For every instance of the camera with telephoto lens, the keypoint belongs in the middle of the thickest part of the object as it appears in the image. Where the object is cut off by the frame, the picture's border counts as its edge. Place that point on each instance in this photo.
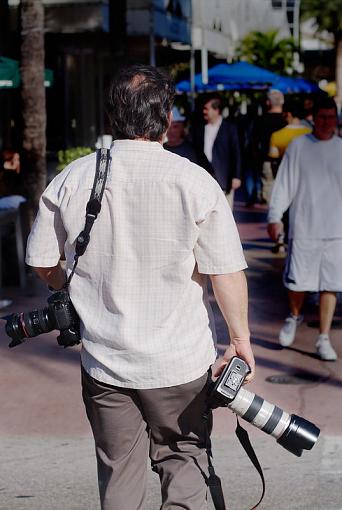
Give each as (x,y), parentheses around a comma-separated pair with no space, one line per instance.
(292,432)
(59,314)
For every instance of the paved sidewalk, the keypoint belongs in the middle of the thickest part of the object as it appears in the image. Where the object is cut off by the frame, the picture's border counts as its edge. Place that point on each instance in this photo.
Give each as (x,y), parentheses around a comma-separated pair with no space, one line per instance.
(47,453)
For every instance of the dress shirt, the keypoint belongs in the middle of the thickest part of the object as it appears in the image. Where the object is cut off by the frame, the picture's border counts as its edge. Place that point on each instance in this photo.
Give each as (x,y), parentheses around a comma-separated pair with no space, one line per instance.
(140,288)
(210,134)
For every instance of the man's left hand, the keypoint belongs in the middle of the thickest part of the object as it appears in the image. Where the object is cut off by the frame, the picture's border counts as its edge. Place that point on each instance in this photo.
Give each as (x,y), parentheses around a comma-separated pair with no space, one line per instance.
(236,183)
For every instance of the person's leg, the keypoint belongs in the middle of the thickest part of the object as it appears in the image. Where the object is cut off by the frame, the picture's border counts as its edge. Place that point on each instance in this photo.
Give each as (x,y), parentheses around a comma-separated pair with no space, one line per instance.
(296,300)
(121,441)
(326,313)
(249,186)
(267,180)
(330,280)
(288,331)
(327,305)
(178,435)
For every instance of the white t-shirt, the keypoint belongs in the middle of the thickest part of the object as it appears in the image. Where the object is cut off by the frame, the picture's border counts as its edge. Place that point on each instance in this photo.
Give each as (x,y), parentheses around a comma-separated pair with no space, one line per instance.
(140,288)
(309,181)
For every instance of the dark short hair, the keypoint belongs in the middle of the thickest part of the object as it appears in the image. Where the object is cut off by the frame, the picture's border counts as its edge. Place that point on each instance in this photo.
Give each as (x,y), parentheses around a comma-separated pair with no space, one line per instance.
(295,108)
(215,102)
(324,103)
(140,100)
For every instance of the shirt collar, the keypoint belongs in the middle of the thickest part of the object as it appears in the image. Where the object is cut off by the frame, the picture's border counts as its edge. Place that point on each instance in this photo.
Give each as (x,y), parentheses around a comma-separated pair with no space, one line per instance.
(216,125)
(135,145)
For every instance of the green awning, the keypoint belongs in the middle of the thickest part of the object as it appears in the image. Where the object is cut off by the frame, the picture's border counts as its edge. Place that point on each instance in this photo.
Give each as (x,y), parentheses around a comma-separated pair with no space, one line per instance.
(10,74)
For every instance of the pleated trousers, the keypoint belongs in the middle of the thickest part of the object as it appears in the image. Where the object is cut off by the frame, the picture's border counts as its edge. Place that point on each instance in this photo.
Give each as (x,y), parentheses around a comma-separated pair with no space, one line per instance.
(164,424)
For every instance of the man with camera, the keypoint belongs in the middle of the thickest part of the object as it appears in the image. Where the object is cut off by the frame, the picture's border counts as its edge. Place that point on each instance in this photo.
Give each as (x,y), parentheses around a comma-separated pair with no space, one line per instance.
(140,292)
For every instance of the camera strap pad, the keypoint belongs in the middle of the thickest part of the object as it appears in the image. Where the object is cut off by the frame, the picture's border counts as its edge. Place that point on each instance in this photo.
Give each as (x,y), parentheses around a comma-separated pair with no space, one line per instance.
(103,160)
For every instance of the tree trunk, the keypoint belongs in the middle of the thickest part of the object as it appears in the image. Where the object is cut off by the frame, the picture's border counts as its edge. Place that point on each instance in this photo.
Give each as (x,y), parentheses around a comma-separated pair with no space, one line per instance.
(338,46)
(33,101)
(4,29)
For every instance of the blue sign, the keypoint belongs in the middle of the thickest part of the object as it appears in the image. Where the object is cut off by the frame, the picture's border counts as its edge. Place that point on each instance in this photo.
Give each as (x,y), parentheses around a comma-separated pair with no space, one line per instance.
(172,20)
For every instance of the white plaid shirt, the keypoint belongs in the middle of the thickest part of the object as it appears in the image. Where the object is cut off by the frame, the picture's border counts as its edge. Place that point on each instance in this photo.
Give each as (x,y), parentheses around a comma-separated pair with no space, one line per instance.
(140,288)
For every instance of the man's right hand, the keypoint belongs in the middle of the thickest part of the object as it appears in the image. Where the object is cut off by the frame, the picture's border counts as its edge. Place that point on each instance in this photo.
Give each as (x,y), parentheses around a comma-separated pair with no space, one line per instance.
(242,349)
(274,230)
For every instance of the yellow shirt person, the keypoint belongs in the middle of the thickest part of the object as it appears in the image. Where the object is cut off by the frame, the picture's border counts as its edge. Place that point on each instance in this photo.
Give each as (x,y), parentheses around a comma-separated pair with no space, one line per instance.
(283,137)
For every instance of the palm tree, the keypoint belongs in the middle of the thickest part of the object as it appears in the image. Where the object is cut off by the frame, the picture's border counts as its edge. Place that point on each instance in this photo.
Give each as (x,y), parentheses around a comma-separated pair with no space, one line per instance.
(328,16)
(33,100)
(265,49)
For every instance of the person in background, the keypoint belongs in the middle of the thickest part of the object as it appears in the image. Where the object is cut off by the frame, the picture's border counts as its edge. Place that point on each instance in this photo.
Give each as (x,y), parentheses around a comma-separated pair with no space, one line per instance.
(218,148)
(307,119)
(271,121)
(251,177)
(176,137)
(10,187)
(10,181)
(309,183)
(280,139)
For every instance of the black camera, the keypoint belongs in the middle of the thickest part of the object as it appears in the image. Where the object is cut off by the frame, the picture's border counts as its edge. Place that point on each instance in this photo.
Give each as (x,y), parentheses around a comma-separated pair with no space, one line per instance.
(59,314)
(292,432)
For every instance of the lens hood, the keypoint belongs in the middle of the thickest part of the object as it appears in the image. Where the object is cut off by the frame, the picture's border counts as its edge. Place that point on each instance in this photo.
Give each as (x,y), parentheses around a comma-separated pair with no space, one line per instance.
(300,435)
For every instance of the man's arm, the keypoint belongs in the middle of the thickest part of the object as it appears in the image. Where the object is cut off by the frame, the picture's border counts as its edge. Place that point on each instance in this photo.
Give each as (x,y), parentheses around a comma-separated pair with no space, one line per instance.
(55,277)
(232,297)
(284,190)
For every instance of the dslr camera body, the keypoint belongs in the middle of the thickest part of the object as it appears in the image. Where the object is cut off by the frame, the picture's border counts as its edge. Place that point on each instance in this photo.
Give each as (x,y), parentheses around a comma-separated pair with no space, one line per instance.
(59,314)
(292,432)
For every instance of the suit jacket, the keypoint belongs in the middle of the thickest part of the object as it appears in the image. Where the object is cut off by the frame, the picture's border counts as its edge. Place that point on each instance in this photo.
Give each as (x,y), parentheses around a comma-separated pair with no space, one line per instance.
(226,160)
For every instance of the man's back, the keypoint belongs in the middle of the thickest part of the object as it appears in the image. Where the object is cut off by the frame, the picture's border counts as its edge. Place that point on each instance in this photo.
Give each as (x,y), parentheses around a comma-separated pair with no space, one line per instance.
(138,272)
(264,127)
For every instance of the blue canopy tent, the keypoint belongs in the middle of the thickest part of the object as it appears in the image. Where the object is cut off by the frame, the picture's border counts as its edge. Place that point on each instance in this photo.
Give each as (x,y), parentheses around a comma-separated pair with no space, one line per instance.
(238,76)
(245,76)
(289,85)
(184,86)
(241,72)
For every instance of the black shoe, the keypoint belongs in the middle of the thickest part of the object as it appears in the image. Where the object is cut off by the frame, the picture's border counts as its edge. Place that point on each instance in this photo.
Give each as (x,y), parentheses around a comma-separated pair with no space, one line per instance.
(250,203)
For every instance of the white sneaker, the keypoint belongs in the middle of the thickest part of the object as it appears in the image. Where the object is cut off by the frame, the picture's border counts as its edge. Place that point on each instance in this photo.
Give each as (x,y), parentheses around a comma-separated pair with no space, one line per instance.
(288,331)
(324,348)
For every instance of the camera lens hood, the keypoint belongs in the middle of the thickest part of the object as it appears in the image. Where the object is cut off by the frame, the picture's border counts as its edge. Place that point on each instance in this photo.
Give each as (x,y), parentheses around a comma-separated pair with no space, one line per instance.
(300,435)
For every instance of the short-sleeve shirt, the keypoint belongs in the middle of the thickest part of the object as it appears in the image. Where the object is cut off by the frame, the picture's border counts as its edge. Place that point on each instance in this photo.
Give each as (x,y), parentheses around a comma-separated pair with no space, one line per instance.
(309,183)
(282,138)
(140,288)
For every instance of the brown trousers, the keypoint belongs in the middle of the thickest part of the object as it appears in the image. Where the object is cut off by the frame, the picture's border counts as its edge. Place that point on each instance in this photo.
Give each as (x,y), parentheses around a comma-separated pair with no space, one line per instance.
(165,423)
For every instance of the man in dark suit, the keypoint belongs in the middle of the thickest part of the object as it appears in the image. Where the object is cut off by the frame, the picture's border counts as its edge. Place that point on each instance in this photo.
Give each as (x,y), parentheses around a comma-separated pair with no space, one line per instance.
(218,148)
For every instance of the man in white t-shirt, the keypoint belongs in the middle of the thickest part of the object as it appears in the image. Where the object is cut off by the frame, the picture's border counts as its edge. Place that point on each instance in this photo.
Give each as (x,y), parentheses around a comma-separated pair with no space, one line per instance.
(309,183)
(140,291)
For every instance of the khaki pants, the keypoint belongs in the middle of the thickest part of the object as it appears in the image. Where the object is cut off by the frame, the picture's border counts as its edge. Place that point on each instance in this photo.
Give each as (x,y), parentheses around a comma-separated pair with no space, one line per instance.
(166,424)
(267,181)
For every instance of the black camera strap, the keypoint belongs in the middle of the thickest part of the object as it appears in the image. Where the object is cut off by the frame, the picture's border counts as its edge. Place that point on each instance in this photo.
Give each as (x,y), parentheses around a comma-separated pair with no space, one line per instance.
(213,481)
(103,160)
(246,444)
